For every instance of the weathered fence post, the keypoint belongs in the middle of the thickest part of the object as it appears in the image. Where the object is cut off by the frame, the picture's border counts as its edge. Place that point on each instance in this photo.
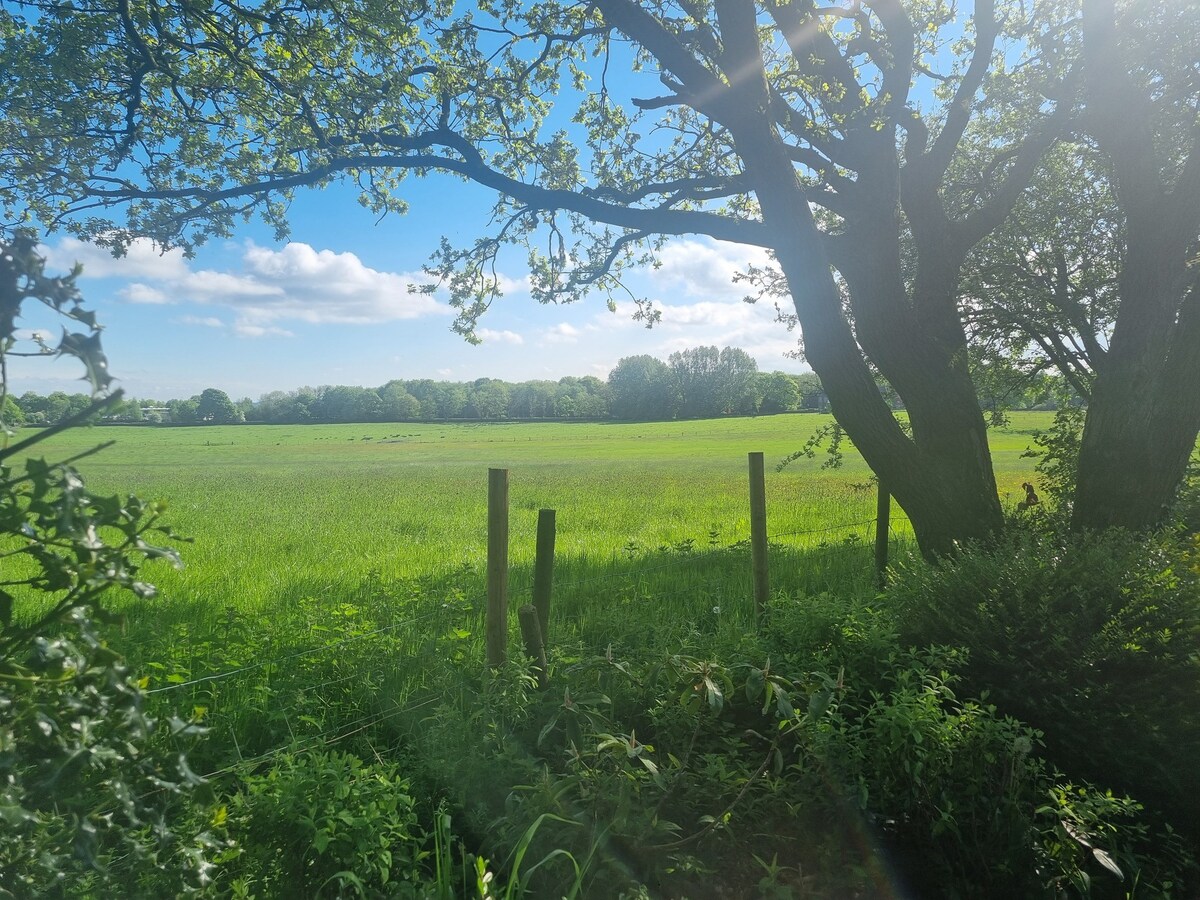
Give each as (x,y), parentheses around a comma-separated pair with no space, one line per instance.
(543,571)
(535,647)
(496,630)
(883,524)
(758,534)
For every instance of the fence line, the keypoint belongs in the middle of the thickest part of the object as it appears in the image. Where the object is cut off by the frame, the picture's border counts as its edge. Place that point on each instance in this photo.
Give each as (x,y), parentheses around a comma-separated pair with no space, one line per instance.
(287,656)
(697,557)
(631,574)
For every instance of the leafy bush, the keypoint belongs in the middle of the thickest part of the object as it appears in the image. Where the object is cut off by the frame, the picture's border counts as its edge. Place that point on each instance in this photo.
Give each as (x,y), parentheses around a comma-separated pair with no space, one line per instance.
(84,797)
(844,754)
(88,799)
(325,824)
(1094,640)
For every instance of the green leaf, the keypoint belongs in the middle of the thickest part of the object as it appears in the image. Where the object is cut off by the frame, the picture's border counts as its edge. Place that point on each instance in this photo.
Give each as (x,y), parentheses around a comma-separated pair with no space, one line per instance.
(818,703)
(754,684)
(1107,861)
(716,700)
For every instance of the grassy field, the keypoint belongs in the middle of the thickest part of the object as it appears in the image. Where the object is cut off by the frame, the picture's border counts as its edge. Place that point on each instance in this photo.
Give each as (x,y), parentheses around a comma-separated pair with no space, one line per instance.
(333,601)
(280,511)
(307,539)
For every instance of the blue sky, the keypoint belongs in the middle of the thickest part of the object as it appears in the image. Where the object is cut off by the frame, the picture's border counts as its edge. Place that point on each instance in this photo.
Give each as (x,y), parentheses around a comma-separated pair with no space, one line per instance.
(332,306)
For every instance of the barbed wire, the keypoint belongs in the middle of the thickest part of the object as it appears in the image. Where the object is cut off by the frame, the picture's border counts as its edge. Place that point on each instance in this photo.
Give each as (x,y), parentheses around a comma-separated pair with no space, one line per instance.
(634,574)
(289,656)
(312,742)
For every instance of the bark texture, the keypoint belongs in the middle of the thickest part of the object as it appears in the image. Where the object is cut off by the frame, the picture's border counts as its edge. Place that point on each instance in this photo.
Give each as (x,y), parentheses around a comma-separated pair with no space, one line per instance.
(1144,414)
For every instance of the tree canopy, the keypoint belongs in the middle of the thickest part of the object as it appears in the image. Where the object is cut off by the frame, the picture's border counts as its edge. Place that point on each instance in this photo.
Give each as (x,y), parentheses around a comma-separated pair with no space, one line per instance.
(869,146)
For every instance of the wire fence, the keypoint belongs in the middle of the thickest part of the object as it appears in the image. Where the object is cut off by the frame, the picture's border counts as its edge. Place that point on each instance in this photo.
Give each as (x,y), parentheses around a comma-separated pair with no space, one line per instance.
(327,693)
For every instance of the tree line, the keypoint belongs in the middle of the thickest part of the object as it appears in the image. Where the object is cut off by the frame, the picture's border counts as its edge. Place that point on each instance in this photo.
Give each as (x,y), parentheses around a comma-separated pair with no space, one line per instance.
(698,383)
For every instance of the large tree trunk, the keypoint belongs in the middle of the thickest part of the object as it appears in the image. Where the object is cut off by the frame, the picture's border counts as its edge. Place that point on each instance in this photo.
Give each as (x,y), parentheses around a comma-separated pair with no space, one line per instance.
(1144,413)
(942,475)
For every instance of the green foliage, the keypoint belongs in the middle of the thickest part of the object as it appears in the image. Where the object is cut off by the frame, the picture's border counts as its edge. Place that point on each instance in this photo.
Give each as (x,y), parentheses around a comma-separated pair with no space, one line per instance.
(23,278)
(1099,845)
(88,795)
(72,546)
(779,393)
(1094,640)
(215,408)
(325,824)
(643,388)
(1058,454)
(946,784)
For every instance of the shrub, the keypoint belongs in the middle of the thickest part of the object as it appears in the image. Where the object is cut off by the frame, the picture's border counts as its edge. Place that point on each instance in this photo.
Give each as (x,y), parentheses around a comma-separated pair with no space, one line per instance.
(88,800)
(1094,640)
(327,824)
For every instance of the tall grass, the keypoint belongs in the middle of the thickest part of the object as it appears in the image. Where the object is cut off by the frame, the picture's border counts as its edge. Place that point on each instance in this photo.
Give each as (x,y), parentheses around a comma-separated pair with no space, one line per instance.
(333,565)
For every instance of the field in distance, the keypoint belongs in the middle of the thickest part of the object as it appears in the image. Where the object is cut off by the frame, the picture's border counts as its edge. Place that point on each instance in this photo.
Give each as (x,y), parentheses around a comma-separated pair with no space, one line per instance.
(278,512)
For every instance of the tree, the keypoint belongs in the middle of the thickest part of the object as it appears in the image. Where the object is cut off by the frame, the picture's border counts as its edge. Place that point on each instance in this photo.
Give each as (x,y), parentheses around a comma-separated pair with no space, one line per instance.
(868,147)
(585,397)
(11,415)
(1039,294)
(184,412)
(779,393)
(1141,99)
(643,388)
(488,399)
(398,404)
(737,383)
(533,400)
(84,771)
(347,403)
(697,373)
(214,407)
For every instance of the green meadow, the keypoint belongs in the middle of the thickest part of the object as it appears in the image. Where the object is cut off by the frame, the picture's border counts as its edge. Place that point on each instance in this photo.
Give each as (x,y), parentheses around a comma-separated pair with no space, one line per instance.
(329,568)
(277,512)
(332,601)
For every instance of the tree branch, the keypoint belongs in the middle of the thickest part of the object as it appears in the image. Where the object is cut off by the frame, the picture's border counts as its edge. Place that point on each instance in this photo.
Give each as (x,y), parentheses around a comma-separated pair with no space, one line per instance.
(473,166)
(705,91)
(958,115)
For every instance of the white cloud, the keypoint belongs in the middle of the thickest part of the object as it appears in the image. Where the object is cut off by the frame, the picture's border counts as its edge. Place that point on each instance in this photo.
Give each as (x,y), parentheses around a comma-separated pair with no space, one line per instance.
(562,333)
(489,335)
(206,321)
(289,284)
(509,285)
(721,323)
(245,329)
(142,260)
(144,294)
(706,268)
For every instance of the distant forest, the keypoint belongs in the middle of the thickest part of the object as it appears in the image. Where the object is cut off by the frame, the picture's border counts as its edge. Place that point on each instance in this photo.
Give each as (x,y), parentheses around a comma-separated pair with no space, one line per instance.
(702,382)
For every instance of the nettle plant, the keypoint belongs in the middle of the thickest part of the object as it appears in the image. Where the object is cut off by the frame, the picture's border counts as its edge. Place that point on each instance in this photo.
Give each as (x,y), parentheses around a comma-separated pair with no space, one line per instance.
(85,800)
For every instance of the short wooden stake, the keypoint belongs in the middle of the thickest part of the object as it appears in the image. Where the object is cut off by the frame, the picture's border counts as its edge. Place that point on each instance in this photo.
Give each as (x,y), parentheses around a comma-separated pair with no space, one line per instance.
(534,647)
(758,535)
(496,630)
(883,525)
(543,571)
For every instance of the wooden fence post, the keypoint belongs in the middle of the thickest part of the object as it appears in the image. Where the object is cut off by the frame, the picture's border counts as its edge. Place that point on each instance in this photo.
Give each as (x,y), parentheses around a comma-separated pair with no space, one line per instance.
(758,535)
(543,571)
(535,648)
(883,524)
(496,630)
